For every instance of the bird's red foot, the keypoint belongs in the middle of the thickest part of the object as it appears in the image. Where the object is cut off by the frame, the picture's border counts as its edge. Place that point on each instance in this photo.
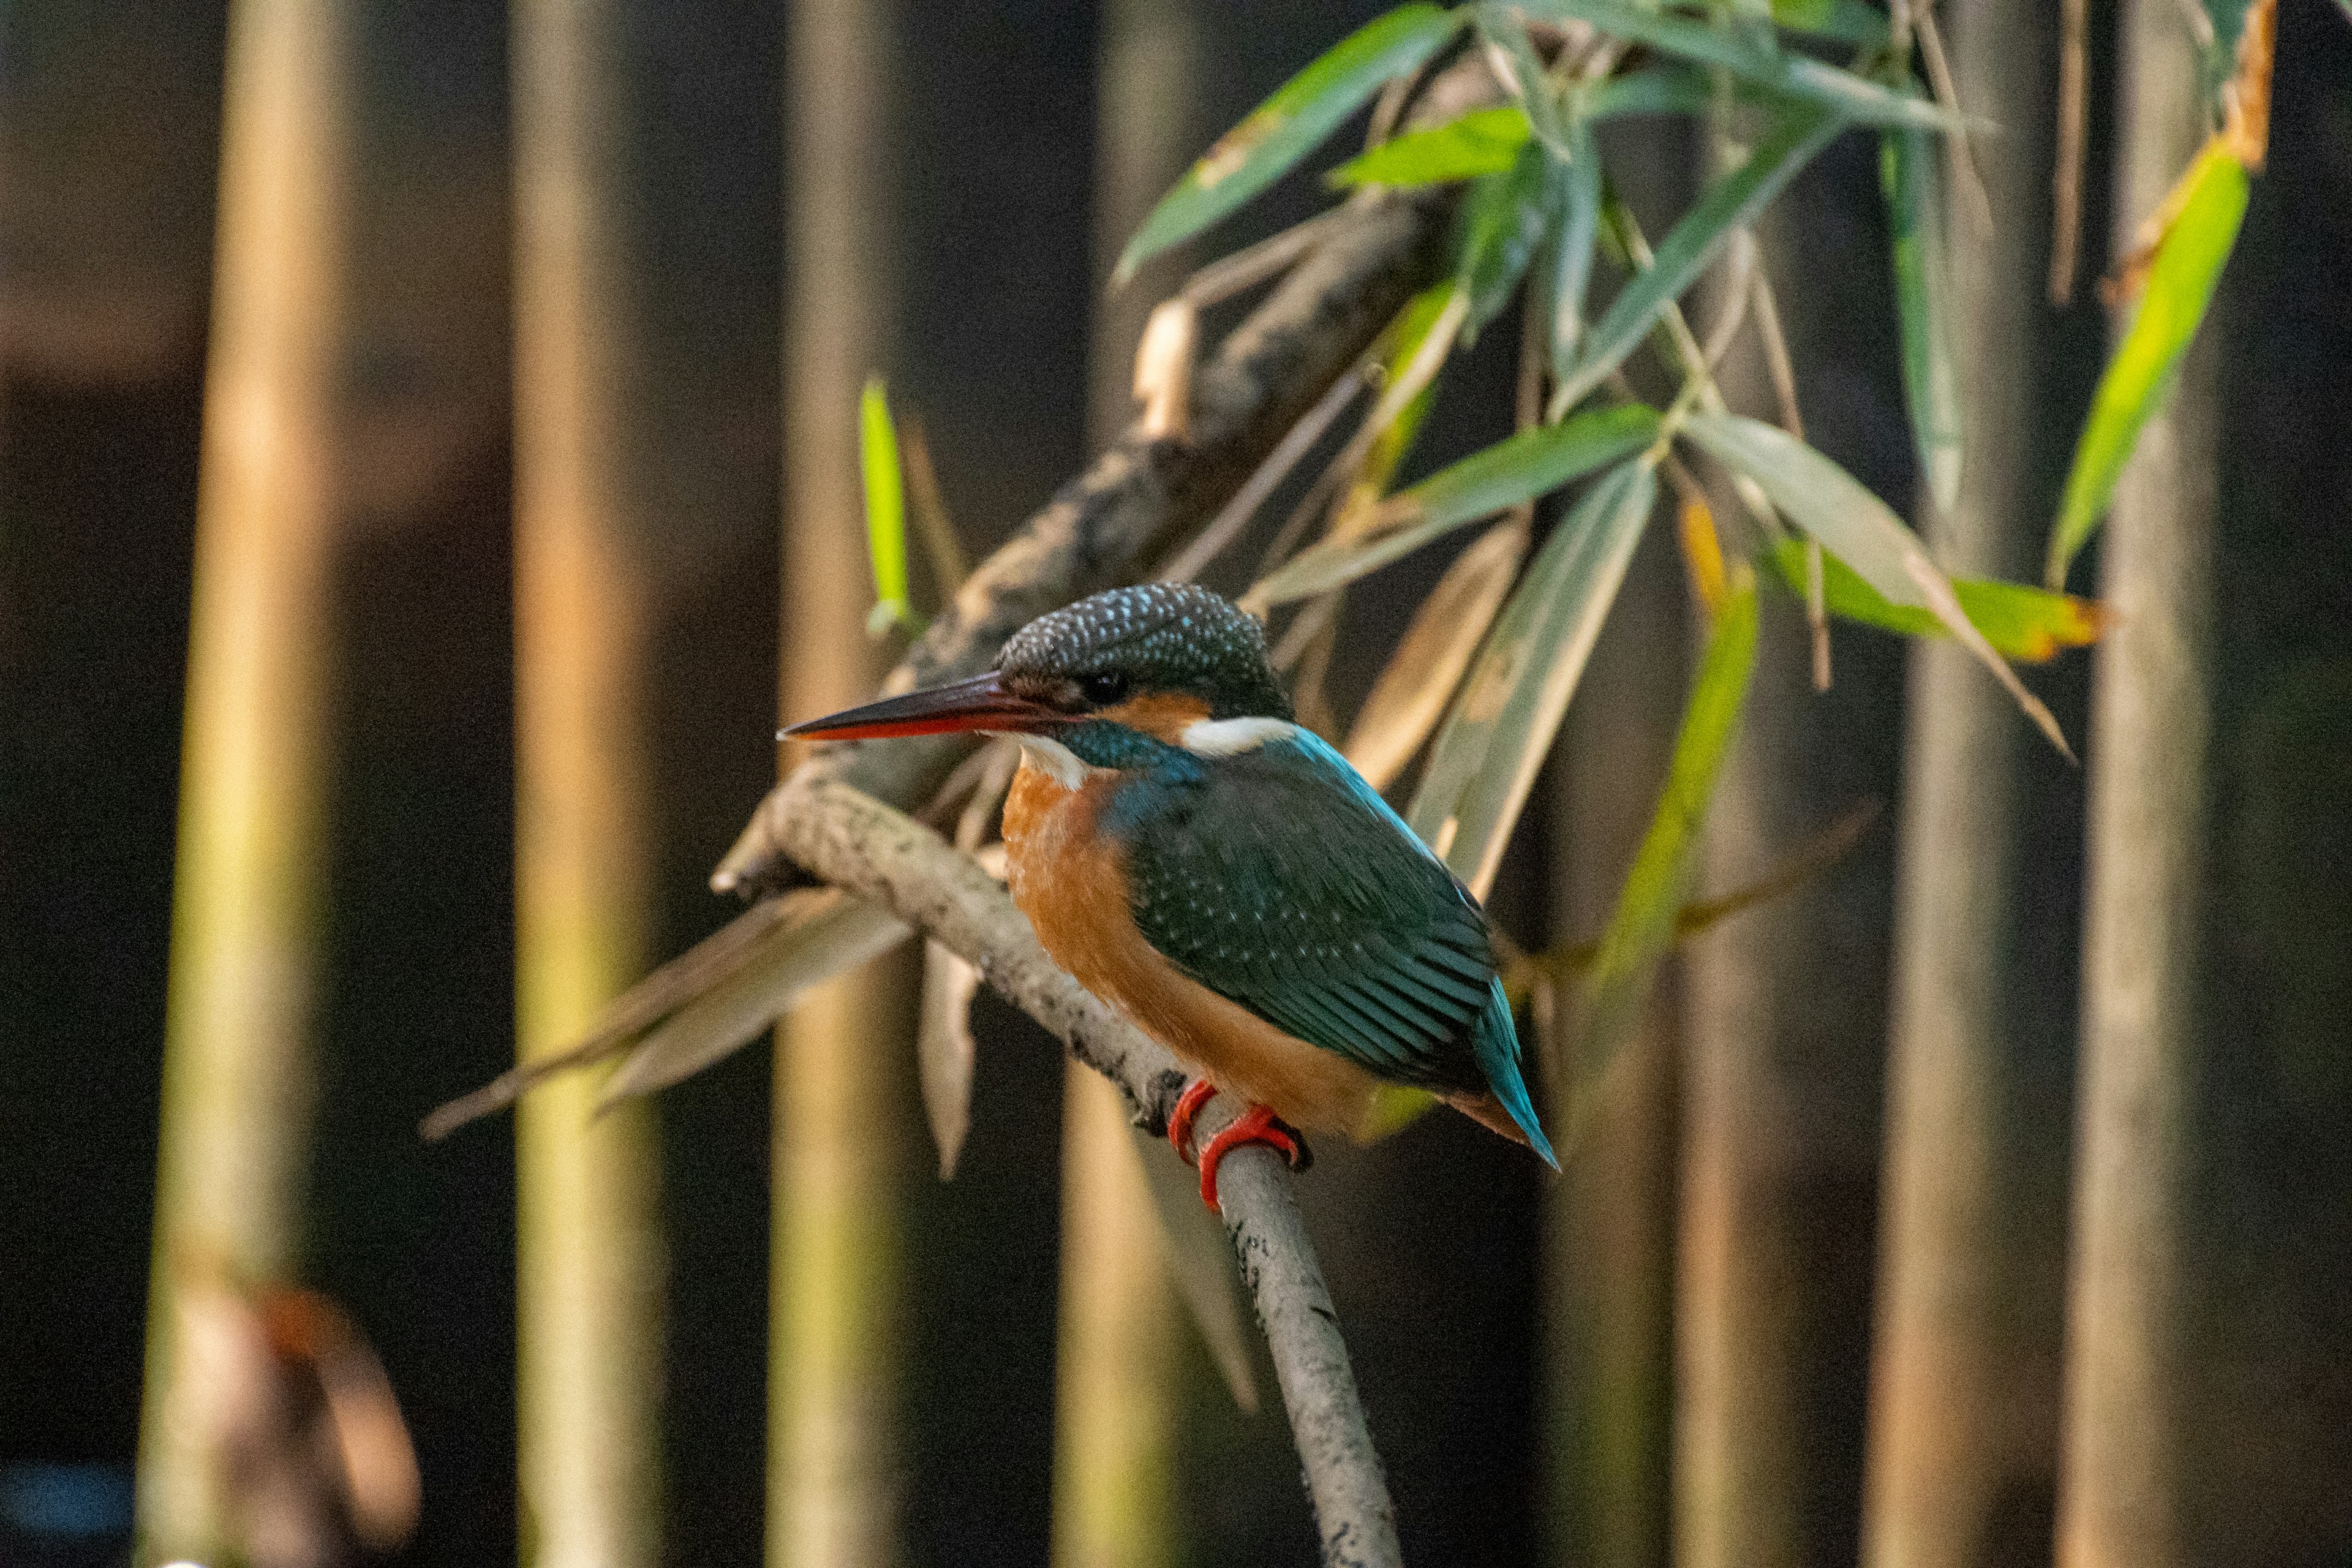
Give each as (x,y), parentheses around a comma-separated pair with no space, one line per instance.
(1255,1125)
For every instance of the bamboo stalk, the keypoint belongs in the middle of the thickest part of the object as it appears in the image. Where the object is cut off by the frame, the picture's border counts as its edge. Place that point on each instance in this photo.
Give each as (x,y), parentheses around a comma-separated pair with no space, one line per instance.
(1964,1417)
(1116,1402)
(841,1055)
(237,1075)
(2122,1477)
(589,1296)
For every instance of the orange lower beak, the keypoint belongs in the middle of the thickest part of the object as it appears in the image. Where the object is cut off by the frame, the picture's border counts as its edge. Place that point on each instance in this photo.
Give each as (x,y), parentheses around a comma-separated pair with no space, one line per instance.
(981,703)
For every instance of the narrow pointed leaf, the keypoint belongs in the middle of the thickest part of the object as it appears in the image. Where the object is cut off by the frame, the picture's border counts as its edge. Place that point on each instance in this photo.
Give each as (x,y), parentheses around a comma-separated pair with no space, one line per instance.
(1410,696)
(886,507)
(944,1052)
(1574,236)
(2024,623)
(1504,220)
(1653,89)
(1512,701)
(1201,1262)
(835,935)
(1729,204)
(1931,393)
(2181,283)
(1483,142)
(1289,125)
(1645,922)
(1833,507)
(1841,21)
(1753,55)
(1518,468)
(1504,28)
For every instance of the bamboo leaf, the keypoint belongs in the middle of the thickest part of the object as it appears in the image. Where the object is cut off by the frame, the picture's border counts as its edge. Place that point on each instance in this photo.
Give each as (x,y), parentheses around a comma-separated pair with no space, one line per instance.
(1514,470)
(1483,142)
(1288,125)
(1504,221)
(1511,703)
(1841,21)
(2181,283)
(1200,1264)
(1726,205)
(1753,55)
(1835,508)
(1574,236)
(1410,696)
(886,509)
(2028,623)
(944,1051)
(1653,89)
(835,934)
(1914,211)
(1645,922)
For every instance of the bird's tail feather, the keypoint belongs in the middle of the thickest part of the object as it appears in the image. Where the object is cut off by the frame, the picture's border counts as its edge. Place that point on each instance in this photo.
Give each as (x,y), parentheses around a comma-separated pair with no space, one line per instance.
(1495,1047)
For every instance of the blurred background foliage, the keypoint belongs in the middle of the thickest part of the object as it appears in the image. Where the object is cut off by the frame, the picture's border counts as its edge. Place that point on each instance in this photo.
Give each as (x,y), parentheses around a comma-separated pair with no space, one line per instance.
(1693,1348)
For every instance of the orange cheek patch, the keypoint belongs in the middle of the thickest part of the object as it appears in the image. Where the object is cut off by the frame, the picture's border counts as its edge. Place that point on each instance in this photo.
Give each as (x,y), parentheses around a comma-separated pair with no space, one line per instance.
(1162,715)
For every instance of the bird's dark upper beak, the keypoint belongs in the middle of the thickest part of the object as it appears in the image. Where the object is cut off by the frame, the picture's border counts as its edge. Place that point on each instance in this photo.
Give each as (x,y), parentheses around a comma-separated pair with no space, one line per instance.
(981,703)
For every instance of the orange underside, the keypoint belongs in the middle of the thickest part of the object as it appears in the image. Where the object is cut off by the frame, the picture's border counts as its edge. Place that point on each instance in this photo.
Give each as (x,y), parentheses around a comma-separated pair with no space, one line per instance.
(1071,883)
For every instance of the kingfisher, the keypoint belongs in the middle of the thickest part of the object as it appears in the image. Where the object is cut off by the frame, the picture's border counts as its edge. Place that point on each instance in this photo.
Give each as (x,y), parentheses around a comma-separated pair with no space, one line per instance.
(1214,871)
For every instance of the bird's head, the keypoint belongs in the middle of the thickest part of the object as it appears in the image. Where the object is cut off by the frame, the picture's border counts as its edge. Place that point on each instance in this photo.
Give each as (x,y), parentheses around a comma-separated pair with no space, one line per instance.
(1168,660)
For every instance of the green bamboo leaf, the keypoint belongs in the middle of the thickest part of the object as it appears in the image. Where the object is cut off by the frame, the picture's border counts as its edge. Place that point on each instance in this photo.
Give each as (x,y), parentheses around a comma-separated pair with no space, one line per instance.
(886,509)
(1648,916)
(1503,223)
(1753,55)
(2181,282)
(1483,142)
(1726,206)
(1574,235)
(1653,89)
(2021,622)
(1833,507)
(1511,703)
(1840,21)
(1288,125)
(1914,212)
(1518,468)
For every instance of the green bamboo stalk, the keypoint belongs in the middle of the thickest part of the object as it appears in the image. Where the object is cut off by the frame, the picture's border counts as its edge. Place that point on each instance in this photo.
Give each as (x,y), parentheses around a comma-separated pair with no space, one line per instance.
(1115,1410)
(842,1138)
(2124,1476)
(1964,1418)
(590,1287)
(238,1075)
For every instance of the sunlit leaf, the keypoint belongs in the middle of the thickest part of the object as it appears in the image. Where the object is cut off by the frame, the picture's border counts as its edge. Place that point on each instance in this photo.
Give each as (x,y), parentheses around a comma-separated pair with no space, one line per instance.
(944,1052)
(1836,509)
(886,507)
(1404,352)
(1486,756)
(835,934)
(1482,142)
(1410,696)
(1645,923)
(1931,393)
(1200,1264)
(1503,223)
(2181,283)
(2028,624)
(1753,55)
(1289,125)
(1727,206)
(1518,468)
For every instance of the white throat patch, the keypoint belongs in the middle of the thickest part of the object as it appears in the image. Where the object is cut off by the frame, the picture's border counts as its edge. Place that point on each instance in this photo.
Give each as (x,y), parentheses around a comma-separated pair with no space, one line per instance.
(1053,758)
(1231,737)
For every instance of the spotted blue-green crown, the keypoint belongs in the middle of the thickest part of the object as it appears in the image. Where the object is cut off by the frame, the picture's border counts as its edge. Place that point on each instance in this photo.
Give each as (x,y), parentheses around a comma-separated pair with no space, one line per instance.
(1154,637)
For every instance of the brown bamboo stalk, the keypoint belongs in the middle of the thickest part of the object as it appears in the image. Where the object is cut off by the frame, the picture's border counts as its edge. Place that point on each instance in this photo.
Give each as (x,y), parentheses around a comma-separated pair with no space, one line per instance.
(238,1073)
(843,1055)
(1114,1395)
(2123,1474)
(589,1294)
(1964,1416)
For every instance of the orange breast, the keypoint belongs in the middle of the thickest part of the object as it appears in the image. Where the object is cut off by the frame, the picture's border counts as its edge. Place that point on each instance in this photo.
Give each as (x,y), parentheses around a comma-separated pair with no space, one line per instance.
(1072,884)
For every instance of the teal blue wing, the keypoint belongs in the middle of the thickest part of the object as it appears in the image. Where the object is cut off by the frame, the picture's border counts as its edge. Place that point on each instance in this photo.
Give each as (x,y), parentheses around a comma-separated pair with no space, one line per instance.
(1280,880)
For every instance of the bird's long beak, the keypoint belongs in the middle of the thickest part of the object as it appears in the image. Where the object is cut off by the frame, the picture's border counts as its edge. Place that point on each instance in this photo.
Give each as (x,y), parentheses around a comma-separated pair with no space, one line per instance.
(981,703)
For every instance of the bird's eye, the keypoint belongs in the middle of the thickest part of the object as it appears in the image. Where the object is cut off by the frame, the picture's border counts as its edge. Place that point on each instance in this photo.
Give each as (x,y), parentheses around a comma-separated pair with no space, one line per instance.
(1104,689)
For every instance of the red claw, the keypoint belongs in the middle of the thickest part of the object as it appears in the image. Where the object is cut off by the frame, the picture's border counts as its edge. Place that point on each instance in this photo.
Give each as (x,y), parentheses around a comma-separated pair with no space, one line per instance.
(1256,1125)
(1197,1093)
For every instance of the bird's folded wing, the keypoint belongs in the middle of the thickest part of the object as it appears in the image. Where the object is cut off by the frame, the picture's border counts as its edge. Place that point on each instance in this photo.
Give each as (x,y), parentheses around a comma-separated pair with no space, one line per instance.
(1279,880)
